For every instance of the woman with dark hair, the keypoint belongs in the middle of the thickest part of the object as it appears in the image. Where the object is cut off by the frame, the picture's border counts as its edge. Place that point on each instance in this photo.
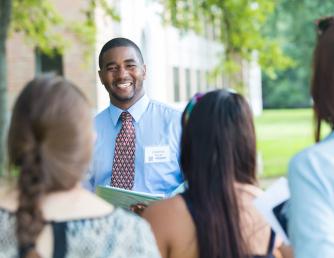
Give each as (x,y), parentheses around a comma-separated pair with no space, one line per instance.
(46,212)
(215,216)
(311,172)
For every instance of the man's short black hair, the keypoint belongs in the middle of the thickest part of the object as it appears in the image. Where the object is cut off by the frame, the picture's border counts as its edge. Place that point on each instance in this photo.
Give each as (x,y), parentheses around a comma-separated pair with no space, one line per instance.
(119,42)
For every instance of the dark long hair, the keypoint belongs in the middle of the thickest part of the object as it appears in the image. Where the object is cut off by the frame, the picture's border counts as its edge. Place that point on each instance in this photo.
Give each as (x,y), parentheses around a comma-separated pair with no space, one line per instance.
(218,149)
(49,142)
(322,87)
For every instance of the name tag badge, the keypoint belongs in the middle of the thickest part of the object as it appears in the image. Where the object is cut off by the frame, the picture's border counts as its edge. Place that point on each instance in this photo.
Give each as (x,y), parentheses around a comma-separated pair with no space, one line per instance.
(154,154)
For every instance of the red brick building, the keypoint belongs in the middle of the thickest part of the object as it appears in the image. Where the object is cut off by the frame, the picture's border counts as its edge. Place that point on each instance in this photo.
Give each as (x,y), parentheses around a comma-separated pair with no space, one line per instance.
(24,61)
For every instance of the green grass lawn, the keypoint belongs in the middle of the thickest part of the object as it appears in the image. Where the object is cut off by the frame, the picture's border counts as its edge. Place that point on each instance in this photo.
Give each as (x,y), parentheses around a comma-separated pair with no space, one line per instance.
(280,135)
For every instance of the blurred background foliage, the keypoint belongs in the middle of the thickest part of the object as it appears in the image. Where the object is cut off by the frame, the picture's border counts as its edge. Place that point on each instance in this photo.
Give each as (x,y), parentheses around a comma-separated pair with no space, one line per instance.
(280,34)
(240,29)
(292,24)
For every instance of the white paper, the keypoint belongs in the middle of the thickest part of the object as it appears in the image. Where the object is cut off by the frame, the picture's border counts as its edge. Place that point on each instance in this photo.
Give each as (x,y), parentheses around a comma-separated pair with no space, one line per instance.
(275,195)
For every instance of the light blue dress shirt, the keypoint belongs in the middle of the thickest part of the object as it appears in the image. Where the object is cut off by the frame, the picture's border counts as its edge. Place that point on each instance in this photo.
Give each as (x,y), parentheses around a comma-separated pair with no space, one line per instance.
(156,125)
(311,211)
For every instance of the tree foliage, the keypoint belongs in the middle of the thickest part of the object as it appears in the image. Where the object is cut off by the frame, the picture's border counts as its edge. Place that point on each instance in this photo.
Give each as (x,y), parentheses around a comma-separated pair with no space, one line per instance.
(239,24)
(292,22)
(5,17)
(43,27)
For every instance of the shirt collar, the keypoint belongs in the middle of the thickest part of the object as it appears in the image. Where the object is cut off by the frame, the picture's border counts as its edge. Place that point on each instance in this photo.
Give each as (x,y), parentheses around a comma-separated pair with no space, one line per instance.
(136,110)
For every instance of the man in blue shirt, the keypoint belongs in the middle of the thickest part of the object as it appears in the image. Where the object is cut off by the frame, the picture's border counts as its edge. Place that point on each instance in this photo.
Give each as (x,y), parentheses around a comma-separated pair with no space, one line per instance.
(157,126)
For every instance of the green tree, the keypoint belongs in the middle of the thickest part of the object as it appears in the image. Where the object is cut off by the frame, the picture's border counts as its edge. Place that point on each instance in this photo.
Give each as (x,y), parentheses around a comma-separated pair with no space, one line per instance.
(292,22)
(5,17)
(37,20)
(239,24)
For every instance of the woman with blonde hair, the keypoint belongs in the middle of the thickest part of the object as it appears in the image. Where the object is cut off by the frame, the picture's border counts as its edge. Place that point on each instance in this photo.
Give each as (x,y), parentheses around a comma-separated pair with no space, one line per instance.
(47,213)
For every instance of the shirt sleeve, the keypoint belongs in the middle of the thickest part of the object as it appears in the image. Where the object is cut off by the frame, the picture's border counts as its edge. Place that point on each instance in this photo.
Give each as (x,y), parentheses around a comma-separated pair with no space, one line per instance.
(311,216)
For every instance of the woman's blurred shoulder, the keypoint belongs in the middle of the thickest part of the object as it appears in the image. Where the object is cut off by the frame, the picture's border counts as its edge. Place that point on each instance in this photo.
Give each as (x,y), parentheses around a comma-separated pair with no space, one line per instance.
(165,210)
(8,197)
(173,227)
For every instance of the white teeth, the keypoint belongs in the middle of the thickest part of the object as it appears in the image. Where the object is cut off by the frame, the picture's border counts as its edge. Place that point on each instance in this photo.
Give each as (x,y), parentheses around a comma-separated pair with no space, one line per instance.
(123,85)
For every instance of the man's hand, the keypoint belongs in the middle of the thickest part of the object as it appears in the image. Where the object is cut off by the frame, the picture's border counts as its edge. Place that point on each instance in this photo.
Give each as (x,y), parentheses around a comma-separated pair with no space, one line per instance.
(138,208)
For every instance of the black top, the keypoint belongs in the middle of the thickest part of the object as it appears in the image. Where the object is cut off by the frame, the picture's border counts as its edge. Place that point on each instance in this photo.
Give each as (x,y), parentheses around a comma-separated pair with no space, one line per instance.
(271,243)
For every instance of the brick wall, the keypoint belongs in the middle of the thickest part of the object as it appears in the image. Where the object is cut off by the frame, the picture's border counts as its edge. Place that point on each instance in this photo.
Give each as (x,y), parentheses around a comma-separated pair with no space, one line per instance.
(21,58)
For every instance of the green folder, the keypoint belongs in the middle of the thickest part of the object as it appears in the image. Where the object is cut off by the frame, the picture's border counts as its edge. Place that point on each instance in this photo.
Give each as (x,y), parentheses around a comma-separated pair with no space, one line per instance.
(125,198)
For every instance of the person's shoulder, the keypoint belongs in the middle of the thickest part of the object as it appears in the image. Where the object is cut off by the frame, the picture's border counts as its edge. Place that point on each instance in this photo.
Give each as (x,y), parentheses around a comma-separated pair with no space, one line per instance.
(101,119)
(59,206)
(125,216)
(164,108)
(135,234)
(171,222)
(310,154)
(312,162)
(165,210)
(119,233)
(319,150)
(249,190)
(165,114)
(300,161)
(102,115)
(8,198)
(131,221)
(302,154)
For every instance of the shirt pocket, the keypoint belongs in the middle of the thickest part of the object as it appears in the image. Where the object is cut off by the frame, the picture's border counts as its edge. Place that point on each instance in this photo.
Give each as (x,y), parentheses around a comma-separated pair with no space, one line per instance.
(163,177)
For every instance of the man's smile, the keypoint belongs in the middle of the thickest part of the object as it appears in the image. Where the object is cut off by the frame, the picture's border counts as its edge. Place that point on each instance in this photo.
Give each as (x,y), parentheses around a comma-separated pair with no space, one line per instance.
(123,85)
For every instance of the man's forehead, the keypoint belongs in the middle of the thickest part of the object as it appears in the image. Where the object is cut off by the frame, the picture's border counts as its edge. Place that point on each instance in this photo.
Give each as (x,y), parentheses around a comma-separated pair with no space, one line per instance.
(120,54)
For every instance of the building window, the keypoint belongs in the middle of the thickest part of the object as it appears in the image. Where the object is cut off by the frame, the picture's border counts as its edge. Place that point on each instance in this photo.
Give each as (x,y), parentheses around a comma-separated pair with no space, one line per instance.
(188,83)
(46,63)
(176,78)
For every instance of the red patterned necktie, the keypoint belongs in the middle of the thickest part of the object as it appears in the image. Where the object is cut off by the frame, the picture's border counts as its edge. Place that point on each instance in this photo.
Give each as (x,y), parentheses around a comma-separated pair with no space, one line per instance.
(123,169)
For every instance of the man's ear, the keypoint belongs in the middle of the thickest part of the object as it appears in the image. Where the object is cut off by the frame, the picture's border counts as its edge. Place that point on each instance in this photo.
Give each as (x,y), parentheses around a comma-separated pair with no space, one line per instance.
(144,71)
(100,75)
